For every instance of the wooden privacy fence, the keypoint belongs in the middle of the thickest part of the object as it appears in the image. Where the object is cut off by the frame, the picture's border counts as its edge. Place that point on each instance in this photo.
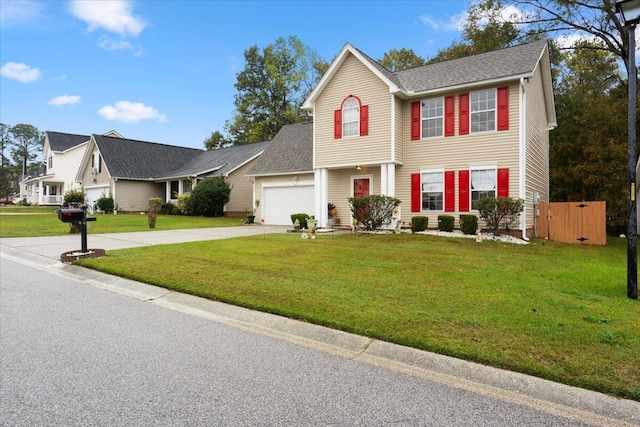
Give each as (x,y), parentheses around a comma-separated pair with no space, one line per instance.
(582,223)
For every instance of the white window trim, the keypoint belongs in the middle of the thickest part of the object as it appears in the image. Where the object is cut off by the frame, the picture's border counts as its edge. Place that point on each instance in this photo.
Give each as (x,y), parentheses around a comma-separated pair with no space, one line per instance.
(423,118)
(479,168)
(441,172)
(357,121)
(495,111)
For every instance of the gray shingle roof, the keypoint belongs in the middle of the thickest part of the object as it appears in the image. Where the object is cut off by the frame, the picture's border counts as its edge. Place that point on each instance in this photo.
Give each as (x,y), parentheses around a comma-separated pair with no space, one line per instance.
(498,64)
(59,141)
(126,158)
(290,151)
(223,160)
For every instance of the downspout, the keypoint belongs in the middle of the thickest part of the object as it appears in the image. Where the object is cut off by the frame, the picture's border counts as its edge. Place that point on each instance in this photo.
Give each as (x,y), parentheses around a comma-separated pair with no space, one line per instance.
(115,200)
(523,157)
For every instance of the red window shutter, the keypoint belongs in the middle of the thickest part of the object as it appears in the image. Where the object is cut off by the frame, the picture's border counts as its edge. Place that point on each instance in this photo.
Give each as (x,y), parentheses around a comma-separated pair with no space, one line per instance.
(415,193)
(464,114)
(364,120)
(503,108)
(449,112)
(337,124)
(503,182)
(449,191)
(463,191)
(415,120)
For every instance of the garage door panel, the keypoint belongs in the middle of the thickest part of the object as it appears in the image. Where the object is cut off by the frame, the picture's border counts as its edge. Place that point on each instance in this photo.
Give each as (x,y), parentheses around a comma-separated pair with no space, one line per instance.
(280,202)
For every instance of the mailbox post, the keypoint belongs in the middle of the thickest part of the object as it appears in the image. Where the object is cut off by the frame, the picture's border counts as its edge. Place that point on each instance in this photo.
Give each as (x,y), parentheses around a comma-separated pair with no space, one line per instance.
(78,217)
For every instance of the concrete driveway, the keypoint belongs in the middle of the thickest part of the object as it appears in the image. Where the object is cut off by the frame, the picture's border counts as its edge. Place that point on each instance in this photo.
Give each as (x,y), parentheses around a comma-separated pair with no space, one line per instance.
(53,246)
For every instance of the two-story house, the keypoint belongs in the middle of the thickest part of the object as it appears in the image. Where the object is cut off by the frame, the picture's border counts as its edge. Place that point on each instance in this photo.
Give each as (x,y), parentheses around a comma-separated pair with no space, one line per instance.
(438,137)
(62,154)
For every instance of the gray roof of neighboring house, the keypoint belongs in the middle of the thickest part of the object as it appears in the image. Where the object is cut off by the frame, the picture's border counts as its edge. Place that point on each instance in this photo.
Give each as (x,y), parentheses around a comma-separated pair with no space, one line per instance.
(126,158)
(59,141)
(291,150)
(507,62)
(222,160)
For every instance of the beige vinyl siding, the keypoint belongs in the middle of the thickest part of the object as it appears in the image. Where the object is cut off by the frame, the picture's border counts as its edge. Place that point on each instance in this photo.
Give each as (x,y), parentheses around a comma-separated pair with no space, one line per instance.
(133,196)
(353,78)
(537,145)
(459,152)
(241,190)
(340,188)
(397,131)
(279,179)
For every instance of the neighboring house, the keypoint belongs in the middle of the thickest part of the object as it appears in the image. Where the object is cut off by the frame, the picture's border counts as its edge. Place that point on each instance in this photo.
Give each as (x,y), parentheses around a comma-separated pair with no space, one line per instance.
(132,171)
(62,155)
(437,137)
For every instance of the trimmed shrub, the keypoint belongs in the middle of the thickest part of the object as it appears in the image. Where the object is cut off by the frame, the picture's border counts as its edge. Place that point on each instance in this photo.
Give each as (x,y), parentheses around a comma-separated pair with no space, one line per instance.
(419,223)
(185,207)
(210,195)
(302,217)
(169,209)
(105,204)
(499,213)
(469,224)
(73,196)
(155,203)
(445,222)
(23,202)
(373,211)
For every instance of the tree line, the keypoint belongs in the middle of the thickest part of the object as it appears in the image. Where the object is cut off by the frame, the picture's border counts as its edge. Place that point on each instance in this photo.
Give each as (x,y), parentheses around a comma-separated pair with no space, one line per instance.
(20,145)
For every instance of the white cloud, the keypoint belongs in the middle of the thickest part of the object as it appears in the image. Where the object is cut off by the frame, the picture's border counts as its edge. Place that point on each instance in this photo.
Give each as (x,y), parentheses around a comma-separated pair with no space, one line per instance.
(454,23)
(20,72)
(111,15)
(59,101)
(20,11)
(111,45)
(131,112)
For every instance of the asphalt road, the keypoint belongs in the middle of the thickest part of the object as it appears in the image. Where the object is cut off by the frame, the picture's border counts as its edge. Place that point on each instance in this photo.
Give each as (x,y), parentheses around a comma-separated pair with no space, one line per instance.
(73,353)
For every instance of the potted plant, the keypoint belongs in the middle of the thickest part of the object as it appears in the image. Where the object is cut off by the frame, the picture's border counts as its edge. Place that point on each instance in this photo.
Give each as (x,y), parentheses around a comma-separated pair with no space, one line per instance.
(312,222)
(333,214)
(252,217)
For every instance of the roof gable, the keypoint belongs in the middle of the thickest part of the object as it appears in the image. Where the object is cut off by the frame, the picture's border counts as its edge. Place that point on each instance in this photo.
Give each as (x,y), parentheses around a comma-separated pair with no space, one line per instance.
(290,151)
(500,65)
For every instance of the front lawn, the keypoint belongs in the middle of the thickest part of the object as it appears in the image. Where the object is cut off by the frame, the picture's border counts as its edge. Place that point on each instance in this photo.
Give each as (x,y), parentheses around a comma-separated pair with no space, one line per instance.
(42,221)
(556,311)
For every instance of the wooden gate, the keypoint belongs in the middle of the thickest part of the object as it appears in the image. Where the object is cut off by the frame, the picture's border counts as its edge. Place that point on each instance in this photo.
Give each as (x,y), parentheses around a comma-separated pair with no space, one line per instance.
(582,223)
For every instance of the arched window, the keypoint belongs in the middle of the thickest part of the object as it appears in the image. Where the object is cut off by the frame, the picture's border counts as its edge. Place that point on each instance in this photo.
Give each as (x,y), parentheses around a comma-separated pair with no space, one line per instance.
(352,119)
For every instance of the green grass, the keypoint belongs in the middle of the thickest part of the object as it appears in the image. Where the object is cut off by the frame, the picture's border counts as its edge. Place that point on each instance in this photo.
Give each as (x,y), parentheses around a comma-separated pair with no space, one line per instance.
(555,311)
(16,222)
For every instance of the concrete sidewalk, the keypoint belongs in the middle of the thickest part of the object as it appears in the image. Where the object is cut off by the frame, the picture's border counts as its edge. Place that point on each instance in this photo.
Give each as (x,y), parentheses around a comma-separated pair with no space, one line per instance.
(574,403)
(53,246)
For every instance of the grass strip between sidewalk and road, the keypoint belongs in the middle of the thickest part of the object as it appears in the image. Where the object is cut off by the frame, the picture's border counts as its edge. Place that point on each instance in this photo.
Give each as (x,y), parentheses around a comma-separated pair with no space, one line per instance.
(552,310)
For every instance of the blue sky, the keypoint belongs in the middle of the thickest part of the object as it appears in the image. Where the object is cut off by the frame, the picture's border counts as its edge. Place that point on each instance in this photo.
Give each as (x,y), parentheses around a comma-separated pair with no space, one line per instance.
(164,71)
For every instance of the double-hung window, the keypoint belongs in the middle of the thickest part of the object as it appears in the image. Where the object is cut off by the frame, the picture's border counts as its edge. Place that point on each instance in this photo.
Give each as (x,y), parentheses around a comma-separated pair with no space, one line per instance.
(432,191)
(432,117)
(483,110)
(483,184)
(351,117)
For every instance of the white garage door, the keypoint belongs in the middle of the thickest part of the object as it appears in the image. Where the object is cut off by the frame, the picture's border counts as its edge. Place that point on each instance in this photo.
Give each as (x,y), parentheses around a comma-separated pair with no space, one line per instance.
(93,194)
(280,202)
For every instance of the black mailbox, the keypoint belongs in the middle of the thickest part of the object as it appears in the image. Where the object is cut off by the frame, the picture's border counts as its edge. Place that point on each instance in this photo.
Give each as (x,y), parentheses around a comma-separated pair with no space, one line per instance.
(71,215)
